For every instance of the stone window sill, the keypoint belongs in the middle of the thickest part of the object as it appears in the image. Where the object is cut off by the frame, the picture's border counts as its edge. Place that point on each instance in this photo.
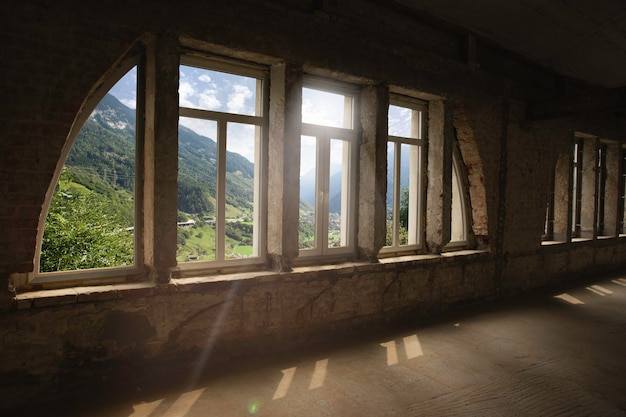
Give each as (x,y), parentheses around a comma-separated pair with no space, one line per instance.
(88,294)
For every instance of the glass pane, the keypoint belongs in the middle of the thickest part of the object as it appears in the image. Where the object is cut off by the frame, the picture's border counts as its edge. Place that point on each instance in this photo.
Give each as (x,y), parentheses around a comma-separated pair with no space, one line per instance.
(241,198)
(206,89)
(457,226)
(326,109)
(404,122)
(408,197)
(391,167)
(337,193)
(197,158)
(90,223)
(308,192)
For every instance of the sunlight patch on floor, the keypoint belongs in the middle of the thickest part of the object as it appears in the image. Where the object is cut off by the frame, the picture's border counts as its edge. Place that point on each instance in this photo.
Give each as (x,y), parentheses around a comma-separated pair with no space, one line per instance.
(596,289)
(569,298)
(145,409)
(620,281)
(284,384)
(319,374)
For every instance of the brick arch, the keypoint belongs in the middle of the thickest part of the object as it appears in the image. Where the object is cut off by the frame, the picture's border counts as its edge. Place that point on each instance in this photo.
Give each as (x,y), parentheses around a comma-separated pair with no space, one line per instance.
(474,168)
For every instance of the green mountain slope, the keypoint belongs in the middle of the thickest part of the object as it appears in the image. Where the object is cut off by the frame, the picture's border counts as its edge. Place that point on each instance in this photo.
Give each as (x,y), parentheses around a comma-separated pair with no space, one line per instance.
(105,150)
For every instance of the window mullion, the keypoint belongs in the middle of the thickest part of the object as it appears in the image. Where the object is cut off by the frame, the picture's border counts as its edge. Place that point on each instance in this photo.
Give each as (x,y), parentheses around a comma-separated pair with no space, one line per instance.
(323,192)
(220,193)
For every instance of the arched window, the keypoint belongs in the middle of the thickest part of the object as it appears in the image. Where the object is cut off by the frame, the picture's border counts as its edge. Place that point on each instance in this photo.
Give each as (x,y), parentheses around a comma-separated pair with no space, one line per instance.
(90,216)
(458,226)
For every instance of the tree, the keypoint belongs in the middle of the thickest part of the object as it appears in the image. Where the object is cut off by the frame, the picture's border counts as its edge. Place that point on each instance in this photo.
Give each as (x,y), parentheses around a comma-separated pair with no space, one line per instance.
(82,232)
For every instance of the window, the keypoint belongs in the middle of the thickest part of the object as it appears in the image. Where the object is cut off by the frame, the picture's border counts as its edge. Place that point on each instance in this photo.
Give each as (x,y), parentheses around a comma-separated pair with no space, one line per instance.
(601,178)
(458,229)
(577,181)
(90,221)
(590,199)
(199,203)
(622,193)
(405,158)
(327,169)
(220,144)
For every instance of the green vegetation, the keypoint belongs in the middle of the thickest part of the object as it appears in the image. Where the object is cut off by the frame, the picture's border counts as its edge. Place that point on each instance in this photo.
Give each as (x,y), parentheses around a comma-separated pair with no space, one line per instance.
(403,234)
(86,229)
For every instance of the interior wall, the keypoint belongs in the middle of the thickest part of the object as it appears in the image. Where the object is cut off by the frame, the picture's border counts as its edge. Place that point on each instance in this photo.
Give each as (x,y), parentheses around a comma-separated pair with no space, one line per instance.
(57,53)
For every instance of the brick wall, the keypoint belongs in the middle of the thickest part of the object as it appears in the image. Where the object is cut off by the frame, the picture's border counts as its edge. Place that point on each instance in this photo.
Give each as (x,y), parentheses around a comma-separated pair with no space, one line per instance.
(55,53)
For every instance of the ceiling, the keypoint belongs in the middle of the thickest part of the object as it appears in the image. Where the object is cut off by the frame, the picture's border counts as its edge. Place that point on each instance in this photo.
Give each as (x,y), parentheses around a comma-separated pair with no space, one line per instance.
(583,39)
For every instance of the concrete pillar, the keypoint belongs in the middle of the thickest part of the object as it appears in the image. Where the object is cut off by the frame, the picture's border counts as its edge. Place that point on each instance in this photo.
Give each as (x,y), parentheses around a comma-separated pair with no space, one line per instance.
(372,187)
(284,165)
(439,184)
(562,216)
(160,204)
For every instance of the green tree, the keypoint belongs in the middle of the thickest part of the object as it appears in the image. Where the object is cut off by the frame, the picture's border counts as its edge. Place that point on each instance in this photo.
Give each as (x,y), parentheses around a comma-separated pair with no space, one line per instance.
(82,232)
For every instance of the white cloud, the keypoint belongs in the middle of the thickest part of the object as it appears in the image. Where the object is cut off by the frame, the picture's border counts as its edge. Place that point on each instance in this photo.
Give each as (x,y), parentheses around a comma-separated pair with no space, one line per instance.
(205,78)
(208,100)
(322,108)
(241,140)
(238,99)
(129,102)
(186,92)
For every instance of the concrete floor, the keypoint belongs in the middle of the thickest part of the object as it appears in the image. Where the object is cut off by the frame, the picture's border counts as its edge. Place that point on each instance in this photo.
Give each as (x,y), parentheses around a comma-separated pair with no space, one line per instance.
(557,352)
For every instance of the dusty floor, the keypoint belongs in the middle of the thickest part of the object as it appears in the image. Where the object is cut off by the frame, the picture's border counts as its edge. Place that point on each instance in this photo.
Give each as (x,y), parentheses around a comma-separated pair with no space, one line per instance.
(557,352)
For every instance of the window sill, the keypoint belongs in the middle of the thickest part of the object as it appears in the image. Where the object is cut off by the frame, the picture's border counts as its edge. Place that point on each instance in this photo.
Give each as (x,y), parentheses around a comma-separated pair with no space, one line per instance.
(87,294)
(553,242)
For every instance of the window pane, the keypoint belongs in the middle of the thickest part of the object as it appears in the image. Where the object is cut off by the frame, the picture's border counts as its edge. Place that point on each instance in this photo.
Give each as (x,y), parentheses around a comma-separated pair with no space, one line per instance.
(90,223)
(409,196)
(577,188)
(338,193)
(399,121)
(458,223)
(308,191)
(206,89)
(326,109)
(241,199)
(623,192)
(197,179)
(391,184)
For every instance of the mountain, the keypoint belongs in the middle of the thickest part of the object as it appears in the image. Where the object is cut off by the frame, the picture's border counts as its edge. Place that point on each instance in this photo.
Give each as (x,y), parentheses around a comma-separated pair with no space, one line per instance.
(307,188)
(105,151)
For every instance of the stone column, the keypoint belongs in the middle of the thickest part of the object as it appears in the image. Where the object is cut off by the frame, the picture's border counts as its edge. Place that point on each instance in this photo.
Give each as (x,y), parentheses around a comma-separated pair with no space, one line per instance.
(372,189)
(611,189)
(284,165)
(562,216)
(160,204)
(439,183)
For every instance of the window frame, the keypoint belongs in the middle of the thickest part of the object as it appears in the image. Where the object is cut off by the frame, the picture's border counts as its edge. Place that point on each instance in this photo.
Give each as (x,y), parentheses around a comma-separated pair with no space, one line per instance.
(621,231)
(324,135)
(418,215)
(577,183)
(222,119)
(457,173)
(601,178)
